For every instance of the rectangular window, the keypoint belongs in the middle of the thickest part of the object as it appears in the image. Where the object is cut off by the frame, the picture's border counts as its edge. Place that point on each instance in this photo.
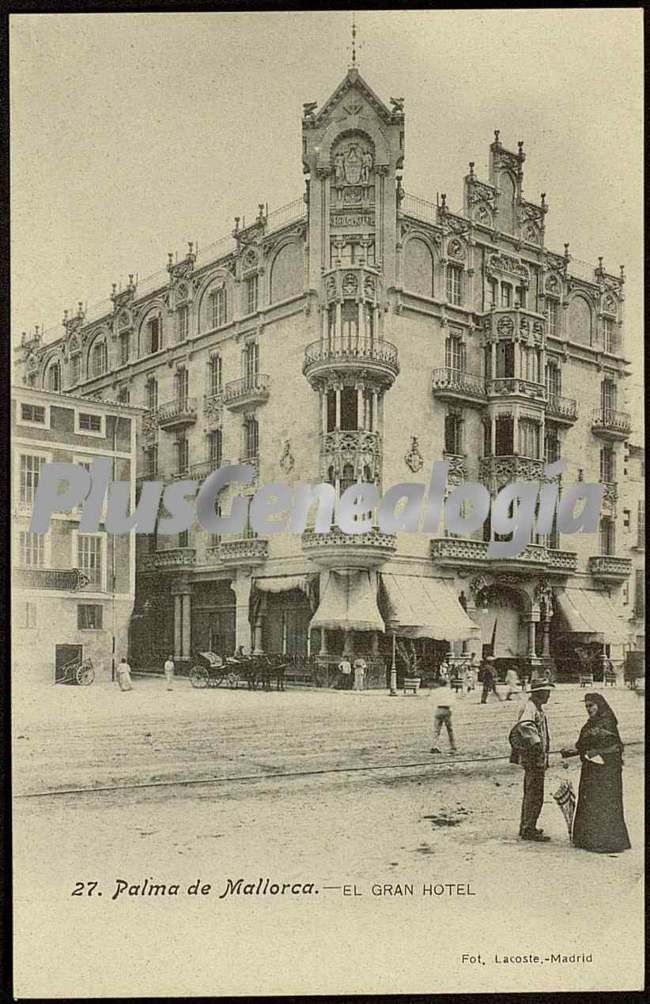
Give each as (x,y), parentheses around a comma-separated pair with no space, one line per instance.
(151,462)
(608,396)
(32,549)
(331,322)
(182,386)
(184,538)
(553,380)
(350,323)
(251,363)
(32,413)
(506,294)
(251,288)
(625,594)
(640,526)
(251,437)
(528,439)
(89,423)
(218,307)
(215,376)
(89,558)
(90,617)
(155,334)
(182,455)
(152,395)
(521,296)
(607,464)
(493,287)
(453,434)
(30,470)
(626,519)
(608,334)
(530,364)
(182,323)
(123,395)
(125,347)
(639,592)
(606,536)
(454,276)
(100,359)
(454,353)
(551,446)
(215,450)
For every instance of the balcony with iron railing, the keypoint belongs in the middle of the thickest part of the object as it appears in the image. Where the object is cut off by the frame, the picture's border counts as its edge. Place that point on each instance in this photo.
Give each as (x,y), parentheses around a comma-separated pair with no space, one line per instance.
(499,387)
(561,409)
(378,359)
(63,579)
(449,384)
(462,552)
(501,470)
(513,323)
(179,412)
(246,392)
(170,559)
(337,549)
(611,424)
(238,551)
(609,567)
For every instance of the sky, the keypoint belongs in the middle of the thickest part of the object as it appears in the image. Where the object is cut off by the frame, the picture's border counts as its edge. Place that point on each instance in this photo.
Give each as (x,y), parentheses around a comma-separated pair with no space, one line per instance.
(132,134)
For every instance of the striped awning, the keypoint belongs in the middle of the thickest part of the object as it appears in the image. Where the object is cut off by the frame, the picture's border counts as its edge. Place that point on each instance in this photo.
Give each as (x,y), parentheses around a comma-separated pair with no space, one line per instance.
(349,603)
(427,608)
(590,612)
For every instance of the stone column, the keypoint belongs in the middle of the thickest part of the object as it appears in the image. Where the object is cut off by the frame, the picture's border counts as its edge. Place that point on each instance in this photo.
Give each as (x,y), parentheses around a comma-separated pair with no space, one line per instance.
(493,435)
(258,629)
(241,586)
(178,626)
(531,639)
(546,641)
(323,642)
(360,415)
(337,423)
(186,646)
(374,424)
(338,331)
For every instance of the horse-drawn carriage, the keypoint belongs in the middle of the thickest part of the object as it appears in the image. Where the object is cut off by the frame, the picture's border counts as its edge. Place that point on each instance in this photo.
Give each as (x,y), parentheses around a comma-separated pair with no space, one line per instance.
(255,671)
(78,672)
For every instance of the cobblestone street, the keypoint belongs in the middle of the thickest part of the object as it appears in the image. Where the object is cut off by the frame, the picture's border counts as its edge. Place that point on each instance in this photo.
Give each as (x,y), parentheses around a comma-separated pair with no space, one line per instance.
(410,818)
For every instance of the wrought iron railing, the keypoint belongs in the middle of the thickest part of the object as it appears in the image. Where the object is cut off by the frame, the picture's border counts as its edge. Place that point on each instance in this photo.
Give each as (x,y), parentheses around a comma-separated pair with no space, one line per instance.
(413,205)
(504,386)
(458,381)
(179,408)
(64,579)
(609,420)
(245,387)
(609,566)
(363,350)
(561,407)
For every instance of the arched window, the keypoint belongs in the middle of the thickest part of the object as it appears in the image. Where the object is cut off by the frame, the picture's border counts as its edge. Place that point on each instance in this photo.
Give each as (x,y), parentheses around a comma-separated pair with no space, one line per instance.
(153,337)
(347,477)
(75,368)
(54,377)
(99,364)
(418,267)
(579,320)
(286,273)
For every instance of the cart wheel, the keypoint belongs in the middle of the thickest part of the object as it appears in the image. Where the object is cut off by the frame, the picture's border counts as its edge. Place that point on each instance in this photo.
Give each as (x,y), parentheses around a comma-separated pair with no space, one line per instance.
(199,676)
(85,675)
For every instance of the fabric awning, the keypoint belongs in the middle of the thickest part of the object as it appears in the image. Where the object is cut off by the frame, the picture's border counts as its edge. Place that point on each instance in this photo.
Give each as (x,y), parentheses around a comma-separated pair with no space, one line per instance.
(349,603)
(427,608)
(281,583)
(587,611)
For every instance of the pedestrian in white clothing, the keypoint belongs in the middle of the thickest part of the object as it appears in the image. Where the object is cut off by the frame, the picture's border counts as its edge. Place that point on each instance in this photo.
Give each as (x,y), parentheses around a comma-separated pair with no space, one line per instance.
(359,674)
(169,672)
(124,675)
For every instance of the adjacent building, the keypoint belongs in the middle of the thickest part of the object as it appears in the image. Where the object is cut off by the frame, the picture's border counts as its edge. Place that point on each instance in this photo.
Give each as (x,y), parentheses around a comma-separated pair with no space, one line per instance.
(73,592)
(359,334)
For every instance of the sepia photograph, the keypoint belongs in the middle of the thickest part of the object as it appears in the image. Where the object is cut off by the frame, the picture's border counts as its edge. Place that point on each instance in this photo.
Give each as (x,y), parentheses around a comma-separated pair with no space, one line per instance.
(327,502)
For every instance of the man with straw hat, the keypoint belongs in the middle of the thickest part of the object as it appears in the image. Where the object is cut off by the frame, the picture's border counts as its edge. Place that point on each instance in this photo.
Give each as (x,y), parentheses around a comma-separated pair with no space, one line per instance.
(530,746)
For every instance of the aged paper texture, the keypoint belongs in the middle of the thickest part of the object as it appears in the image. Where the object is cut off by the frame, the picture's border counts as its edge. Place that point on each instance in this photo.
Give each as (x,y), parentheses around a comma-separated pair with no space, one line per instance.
(256,751)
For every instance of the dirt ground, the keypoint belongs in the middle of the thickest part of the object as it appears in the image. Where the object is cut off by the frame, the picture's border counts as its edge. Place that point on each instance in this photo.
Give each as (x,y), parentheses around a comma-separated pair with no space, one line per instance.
(414,861)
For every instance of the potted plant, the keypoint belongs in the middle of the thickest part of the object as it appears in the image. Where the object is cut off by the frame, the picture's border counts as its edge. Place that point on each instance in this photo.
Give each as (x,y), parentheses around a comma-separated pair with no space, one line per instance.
(411,659)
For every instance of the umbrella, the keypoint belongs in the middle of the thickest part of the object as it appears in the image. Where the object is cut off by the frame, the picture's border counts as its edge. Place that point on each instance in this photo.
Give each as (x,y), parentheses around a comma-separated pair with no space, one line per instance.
(565,797)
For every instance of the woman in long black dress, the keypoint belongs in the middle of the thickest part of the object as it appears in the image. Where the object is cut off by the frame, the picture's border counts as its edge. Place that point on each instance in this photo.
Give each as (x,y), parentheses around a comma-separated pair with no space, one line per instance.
(599,824)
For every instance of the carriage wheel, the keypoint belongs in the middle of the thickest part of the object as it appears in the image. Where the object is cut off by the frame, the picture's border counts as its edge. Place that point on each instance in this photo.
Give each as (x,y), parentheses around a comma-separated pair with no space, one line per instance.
(85,675)
(199,676)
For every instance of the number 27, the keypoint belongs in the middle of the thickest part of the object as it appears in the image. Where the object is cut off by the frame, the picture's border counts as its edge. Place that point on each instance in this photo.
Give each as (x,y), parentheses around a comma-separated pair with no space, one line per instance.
(79,888)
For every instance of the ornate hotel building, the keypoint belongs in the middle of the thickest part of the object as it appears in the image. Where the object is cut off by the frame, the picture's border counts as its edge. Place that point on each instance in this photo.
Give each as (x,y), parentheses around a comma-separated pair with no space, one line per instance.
(360,334)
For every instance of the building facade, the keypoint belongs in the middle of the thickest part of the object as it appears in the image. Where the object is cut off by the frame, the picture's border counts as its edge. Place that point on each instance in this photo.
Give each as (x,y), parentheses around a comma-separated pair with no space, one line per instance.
(633,511)
(73,593)
(360,334)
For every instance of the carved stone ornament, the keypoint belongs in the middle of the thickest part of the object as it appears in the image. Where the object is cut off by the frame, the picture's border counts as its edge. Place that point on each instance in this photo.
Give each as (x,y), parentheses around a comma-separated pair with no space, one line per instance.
(287,459)
(553,285)
(456,250)
(505,326)
(414,459)
(478,585)
(250,259)
(353,165)
(609,305)
(213,410)
(350,284)
(330,287)
(369,287)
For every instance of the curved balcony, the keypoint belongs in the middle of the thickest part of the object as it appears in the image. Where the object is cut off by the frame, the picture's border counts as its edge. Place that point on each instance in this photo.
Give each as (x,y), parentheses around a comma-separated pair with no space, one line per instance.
(168,560)
(507,323)
(495,472)
(179,412)
(609,568)
(515,387)
(376,358)
(449,384)
(561,409)
(246,392)
(243,551)
(349,550)
(611,424)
